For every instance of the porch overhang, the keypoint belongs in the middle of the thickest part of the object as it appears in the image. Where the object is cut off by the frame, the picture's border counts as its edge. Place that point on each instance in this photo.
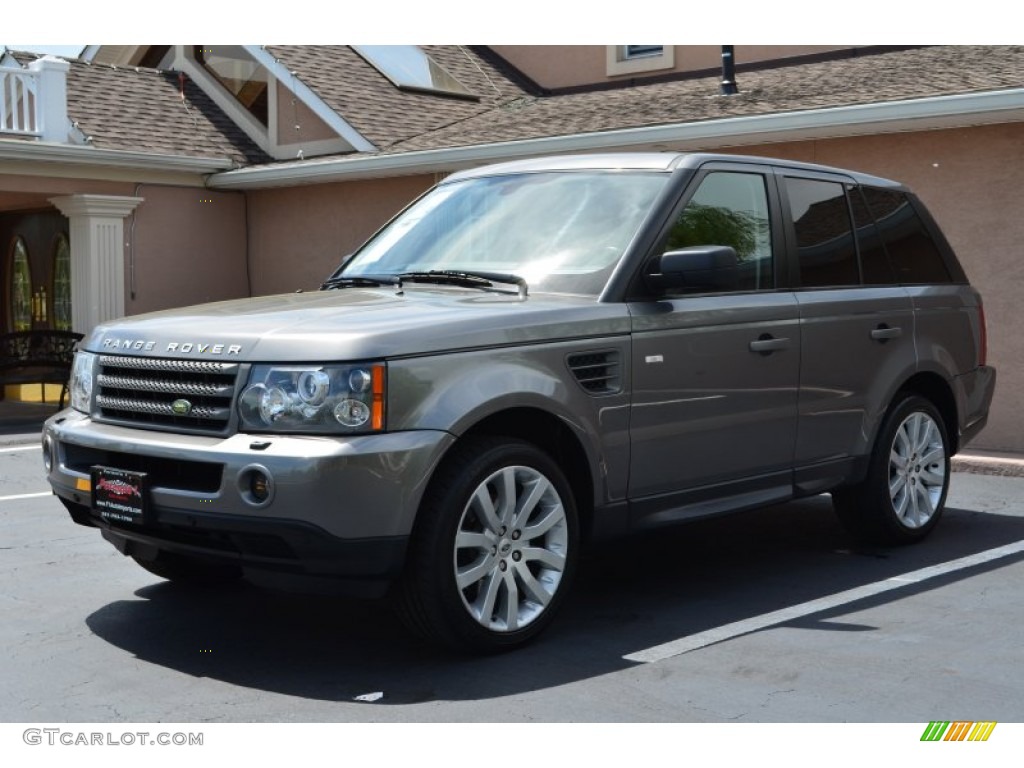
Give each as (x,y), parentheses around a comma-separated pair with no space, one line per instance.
(17,150)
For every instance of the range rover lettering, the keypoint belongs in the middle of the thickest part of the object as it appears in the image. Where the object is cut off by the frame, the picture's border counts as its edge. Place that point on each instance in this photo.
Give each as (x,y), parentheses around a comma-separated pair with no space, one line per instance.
(529,357)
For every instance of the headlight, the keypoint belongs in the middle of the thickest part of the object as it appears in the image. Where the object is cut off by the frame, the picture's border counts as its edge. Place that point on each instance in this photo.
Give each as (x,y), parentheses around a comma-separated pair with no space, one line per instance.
(81,381)
(346,399)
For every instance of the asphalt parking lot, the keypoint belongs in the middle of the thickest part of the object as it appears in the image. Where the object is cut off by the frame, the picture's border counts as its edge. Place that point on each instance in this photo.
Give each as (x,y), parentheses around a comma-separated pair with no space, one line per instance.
(761,617)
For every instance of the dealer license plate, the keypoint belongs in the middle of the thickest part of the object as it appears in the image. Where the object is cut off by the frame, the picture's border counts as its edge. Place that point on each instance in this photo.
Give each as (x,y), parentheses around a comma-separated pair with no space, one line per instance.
(119,495)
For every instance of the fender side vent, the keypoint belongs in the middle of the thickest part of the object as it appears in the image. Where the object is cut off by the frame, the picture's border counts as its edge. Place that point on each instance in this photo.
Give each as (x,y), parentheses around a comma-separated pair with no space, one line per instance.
(599,373)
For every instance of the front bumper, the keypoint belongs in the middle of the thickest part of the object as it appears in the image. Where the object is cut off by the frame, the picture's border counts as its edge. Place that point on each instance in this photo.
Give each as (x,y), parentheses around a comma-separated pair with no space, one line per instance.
(337,506)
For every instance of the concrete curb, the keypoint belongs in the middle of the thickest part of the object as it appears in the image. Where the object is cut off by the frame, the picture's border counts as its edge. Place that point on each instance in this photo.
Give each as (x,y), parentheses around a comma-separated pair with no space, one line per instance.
(1007,465)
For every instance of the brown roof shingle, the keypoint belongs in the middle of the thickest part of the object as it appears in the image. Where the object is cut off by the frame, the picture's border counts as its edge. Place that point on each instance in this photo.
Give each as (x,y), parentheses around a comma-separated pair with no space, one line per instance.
(908,74)
(138,109)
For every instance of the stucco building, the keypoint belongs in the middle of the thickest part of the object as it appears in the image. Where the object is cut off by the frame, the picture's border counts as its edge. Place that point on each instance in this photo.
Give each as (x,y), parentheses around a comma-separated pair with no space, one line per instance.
(143,177)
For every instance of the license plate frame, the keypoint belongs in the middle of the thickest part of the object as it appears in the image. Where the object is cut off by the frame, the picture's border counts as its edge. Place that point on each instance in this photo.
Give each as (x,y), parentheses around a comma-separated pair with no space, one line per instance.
(120,496)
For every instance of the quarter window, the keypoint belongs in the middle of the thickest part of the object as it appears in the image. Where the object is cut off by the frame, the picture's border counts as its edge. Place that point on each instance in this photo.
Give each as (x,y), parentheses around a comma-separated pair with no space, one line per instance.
(874,263)
(913,253)
(730,209)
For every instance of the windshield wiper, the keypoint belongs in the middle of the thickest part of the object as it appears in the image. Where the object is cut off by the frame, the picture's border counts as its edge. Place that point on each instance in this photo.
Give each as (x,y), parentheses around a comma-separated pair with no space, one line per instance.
(359,281)
(467,279)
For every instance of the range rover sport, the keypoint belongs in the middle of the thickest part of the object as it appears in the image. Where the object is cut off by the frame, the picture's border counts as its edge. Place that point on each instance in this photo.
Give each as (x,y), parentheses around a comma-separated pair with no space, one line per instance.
(530,356)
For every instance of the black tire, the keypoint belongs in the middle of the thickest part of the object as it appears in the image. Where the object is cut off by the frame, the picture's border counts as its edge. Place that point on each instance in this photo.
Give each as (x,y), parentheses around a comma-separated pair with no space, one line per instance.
(514,570)
(897,504)
(191,571)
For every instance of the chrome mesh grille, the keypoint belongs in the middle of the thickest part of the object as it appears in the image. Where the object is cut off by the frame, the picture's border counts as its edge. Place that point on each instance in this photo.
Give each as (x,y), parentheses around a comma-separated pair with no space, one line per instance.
(192,394)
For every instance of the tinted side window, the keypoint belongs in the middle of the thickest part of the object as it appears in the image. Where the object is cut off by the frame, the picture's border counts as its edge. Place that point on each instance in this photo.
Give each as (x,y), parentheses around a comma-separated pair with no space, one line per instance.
(874,262)
(824,236)
(912,251)
(730,209)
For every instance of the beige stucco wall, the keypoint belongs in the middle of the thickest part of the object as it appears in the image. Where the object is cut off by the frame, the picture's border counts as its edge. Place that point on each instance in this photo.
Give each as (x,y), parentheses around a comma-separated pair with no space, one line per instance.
(189,247)
(560,66)
(298,235)
(18,191)
(970,180)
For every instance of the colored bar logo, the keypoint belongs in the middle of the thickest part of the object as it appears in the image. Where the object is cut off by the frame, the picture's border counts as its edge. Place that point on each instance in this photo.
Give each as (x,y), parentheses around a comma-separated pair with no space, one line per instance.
(958,731)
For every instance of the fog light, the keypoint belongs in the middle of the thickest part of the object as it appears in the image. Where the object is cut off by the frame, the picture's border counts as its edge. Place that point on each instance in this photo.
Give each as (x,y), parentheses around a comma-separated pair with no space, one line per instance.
(259,486)
(47,454)
(256,485)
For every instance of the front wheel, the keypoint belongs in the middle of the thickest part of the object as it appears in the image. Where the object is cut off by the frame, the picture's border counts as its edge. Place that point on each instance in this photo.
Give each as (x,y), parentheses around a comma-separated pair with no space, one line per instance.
(494,548)
(902,498)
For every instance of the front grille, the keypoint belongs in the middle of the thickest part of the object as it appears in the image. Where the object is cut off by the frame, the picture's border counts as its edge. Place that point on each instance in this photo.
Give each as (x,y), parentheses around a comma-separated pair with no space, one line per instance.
(149,392)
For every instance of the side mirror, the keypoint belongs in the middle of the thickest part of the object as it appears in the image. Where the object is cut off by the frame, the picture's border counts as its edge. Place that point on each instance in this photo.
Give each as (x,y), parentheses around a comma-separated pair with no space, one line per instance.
(696,269)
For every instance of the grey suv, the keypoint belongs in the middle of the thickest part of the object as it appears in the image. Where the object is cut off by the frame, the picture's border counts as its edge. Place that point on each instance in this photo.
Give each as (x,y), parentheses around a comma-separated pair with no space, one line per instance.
(530,356)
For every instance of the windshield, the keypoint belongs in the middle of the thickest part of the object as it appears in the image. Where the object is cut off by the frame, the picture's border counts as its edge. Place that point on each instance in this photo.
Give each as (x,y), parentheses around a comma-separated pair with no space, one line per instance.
(560,231)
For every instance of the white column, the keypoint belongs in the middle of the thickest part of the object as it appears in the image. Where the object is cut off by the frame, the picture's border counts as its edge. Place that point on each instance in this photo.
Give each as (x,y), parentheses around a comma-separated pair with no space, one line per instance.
(97,256)
(52,98)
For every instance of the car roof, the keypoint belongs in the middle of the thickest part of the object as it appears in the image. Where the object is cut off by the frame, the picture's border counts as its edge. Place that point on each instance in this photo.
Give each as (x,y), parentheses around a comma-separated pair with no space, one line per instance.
(654,161)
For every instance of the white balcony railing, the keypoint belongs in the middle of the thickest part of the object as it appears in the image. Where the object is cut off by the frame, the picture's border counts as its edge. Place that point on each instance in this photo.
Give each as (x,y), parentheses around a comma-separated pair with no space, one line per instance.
(33,101)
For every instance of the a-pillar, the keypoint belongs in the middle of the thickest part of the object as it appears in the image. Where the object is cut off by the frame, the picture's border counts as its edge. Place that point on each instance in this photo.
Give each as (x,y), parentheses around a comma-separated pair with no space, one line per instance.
(97,256)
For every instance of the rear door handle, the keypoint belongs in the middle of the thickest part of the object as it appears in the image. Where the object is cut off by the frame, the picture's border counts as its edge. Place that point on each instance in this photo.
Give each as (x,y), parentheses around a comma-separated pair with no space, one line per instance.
(766,344)
(885,332)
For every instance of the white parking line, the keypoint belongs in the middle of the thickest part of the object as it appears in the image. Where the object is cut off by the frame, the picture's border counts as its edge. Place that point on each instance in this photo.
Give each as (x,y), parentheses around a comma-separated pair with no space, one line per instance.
(729,631)
(28,447)
(26,496)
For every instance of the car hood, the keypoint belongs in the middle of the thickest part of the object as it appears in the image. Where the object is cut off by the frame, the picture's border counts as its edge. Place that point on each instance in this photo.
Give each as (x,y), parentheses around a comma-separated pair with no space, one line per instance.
(355,324)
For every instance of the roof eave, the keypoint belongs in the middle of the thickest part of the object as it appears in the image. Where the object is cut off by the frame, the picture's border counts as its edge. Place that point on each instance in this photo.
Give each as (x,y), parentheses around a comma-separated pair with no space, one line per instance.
(882,117)
(38,151)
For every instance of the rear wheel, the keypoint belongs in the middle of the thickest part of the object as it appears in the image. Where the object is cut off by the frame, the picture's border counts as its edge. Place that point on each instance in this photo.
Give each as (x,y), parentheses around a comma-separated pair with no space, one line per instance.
(902,498)
(189,570)
(494,549)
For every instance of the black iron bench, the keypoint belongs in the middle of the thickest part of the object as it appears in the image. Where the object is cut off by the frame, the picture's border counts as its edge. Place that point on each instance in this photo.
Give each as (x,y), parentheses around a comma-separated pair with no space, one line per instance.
(38,357)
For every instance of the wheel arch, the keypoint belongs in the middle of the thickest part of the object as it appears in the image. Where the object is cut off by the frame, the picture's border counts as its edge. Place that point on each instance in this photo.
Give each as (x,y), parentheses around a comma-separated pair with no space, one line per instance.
(553,435)
(938,391)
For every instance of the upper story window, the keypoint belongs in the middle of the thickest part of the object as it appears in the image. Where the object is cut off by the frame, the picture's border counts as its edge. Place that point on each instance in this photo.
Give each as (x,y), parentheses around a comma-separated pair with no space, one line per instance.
(409,67)
(635,59)
(636,51)
(243,77)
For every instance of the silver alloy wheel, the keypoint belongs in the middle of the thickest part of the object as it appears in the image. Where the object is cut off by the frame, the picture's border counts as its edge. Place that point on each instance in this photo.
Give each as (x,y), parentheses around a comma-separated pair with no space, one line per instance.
(511,548)
(917,470)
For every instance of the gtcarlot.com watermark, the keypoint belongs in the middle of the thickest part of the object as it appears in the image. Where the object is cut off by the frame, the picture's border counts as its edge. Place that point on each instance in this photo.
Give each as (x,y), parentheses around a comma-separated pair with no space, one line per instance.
(59,736)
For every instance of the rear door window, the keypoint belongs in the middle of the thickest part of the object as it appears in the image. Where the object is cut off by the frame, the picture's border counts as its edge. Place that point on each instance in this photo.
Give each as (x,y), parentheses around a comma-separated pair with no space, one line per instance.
(826,251)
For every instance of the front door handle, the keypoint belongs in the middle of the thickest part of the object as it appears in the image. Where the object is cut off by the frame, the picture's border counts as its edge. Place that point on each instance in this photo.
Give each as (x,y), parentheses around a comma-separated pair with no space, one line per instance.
(885,332)
(766,344)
